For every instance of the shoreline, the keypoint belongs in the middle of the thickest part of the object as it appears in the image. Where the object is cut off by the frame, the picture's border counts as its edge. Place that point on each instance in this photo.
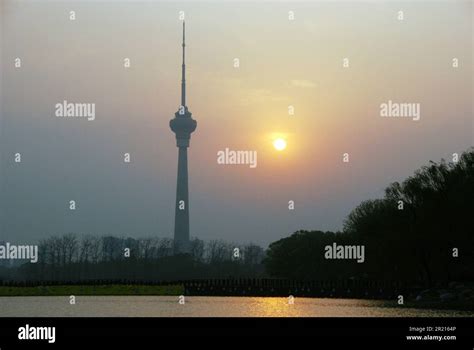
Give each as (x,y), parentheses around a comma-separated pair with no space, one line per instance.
(88,290)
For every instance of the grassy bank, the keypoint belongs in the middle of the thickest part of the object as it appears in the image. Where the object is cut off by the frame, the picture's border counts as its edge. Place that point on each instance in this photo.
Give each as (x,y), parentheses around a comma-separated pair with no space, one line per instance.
(467,305)
(461,305)
(113,289)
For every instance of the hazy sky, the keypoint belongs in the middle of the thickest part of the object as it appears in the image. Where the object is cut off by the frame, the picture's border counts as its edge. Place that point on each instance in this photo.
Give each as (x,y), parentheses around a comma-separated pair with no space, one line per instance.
(282,63)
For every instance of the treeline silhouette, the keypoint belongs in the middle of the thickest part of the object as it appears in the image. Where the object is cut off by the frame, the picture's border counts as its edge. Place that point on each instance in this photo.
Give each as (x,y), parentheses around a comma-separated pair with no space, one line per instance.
(421,232)
(72,257)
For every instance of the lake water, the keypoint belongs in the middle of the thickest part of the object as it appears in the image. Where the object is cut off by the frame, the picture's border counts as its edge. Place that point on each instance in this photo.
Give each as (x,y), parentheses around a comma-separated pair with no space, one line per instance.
(156,306)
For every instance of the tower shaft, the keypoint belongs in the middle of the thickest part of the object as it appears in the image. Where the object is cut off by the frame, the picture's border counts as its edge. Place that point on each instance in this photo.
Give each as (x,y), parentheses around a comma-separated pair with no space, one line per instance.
(181,219)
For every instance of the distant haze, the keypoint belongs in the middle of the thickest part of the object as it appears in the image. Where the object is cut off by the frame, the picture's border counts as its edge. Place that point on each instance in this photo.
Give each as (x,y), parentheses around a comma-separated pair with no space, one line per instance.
(283,63)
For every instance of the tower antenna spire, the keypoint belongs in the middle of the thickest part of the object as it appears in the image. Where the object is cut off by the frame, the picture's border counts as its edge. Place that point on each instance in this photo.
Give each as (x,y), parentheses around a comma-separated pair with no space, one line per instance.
(183,73)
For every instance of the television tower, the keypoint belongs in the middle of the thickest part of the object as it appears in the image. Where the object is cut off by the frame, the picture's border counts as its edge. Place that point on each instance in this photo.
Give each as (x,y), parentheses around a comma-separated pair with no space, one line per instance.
(182,125)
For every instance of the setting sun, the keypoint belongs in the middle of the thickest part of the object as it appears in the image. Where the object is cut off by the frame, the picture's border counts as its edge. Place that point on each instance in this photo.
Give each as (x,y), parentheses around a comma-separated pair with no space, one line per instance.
(279,144)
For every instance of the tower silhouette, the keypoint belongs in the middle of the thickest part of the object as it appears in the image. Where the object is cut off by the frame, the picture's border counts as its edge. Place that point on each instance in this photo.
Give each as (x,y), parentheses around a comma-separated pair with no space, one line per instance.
(182,125)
